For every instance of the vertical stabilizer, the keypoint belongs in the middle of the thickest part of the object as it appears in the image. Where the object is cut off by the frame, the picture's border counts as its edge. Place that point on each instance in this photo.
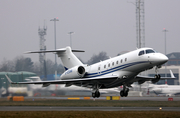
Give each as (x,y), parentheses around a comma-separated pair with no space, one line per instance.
(69,60)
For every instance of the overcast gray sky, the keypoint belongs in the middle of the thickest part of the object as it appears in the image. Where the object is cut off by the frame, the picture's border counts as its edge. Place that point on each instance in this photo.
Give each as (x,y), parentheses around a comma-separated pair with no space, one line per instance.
(99,25)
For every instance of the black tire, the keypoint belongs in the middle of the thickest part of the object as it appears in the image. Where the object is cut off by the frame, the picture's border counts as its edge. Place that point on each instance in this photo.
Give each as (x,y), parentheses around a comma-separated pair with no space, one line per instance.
(93,95)
(97,94)
(156,76)
(121,93)
(126,94)
(159,76)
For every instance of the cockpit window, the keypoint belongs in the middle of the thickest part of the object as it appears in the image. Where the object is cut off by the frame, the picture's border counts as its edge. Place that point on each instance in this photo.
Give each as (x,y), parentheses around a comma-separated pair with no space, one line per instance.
(141,52)
(149,51)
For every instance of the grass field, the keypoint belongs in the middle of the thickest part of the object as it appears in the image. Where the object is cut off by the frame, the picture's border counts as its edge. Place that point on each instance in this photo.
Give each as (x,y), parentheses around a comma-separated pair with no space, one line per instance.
(88,103)
(89,114)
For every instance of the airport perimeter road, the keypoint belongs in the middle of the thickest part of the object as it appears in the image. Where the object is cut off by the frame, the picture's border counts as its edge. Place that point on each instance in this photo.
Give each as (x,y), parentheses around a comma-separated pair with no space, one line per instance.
(49,108)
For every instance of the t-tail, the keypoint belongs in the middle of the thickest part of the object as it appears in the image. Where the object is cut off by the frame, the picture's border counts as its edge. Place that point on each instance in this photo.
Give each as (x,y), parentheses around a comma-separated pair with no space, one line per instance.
(68,59)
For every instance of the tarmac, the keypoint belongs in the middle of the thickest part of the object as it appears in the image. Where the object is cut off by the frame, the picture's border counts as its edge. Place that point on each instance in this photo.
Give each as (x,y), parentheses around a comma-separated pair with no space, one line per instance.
(121,98)
(49,108)
(52,108)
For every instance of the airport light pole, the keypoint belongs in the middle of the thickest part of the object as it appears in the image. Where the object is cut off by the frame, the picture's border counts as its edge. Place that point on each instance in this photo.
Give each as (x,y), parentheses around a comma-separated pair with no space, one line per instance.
(70,33)
(165,30)
(55,19)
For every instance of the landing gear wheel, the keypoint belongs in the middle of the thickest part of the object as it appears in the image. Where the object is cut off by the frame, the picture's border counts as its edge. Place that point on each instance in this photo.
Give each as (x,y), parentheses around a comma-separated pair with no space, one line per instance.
(122,94)
(126,94)
(93,95)
(96,94)
(157,76)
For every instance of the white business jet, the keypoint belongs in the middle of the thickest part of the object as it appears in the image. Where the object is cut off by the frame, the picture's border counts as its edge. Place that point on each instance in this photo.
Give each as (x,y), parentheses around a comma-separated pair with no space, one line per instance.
(114,72)
(167,90)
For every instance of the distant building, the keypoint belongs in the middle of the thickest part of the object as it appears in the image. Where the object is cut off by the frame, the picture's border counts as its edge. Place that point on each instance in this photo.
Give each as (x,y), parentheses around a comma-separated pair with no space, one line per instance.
(15,77)
(51,77)
(174,58)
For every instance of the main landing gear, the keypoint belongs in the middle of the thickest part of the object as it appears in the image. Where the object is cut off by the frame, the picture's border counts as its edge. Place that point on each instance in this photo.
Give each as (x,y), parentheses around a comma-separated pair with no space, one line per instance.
(96,94)
(124,92)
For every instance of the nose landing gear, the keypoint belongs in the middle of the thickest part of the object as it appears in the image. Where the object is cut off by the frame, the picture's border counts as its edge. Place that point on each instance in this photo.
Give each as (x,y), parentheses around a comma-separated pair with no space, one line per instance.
(157,76)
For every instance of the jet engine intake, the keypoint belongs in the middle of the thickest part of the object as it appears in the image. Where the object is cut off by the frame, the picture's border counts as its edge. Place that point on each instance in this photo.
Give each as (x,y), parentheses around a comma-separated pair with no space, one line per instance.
(74,73)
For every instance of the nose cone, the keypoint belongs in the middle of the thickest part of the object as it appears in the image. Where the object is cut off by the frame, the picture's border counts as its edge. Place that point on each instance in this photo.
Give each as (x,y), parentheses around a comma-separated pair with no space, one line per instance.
(163,58)
(159,59)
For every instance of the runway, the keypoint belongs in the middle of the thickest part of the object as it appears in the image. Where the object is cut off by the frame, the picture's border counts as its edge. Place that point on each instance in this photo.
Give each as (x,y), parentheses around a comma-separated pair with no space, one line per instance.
(58,108)
(121,98)
(49,108)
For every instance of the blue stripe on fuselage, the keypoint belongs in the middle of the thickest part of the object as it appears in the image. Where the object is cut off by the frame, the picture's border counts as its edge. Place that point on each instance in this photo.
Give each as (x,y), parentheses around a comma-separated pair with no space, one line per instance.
(89,75)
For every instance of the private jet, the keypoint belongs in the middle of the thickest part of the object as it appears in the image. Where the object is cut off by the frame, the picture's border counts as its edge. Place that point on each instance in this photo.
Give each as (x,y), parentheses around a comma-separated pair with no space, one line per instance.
(120,70)
(167,90)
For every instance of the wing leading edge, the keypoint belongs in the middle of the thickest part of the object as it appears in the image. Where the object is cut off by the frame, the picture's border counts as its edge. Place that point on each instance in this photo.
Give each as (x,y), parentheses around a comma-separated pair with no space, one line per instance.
(81,80)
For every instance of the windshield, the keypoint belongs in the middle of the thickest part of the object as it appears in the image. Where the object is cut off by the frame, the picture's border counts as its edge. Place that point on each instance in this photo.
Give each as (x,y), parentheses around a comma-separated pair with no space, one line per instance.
(141,52)
(150,51)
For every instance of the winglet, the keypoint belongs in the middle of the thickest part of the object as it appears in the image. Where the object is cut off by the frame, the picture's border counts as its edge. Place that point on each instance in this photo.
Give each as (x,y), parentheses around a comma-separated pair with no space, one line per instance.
(172,75)
(9,79)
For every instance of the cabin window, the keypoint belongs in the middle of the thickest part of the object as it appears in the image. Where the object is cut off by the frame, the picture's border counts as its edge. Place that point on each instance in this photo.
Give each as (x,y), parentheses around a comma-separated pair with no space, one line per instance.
(149,51)
(113,64)
(108,65)
(125,59)
(141,52)
(104,66)
(116,62)
(121,60)
(99,68)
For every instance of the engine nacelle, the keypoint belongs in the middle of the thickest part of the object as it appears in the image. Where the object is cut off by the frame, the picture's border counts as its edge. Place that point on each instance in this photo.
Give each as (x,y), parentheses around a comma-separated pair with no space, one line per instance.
(74,73)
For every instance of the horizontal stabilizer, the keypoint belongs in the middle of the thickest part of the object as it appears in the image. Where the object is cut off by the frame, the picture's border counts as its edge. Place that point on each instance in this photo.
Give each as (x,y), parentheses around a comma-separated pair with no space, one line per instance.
(57,50)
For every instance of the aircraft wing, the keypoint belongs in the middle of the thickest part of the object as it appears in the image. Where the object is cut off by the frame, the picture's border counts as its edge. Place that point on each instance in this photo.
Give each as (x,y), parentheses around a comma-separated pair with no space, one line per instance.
(102,79)
(140,78)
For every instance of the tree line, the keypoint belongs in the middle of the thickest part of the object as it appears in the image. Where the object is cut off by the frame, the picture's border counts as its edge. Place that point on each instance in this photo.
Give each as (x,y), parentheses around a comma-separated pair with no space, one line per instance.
(22,63)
